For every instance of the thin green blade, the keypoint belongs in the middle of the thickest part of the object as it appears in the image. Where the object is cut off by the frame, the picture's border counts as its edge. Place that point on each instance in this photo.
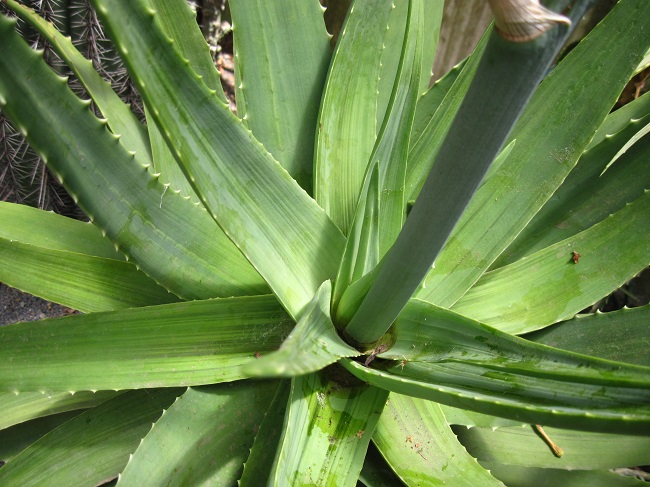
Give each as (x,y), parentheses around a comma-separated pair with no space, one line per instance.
(555,283)
(312,345)
(347,124)
(93,447)
(203,438)
(445,357)
(281,230)
(282,53)
(328,426)
(148,223)
(199,342)
(581,450)
(566,110)
(417,442)
(21,407)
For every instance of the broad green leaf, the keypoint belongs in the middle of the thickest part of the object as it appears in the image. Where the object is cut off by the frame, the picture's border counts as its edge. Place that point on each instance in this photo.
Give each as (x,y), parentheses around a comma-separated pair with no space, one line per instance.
(381,208)
(180,24)
(20,407)
(93,447)
(556,127)
(199,342)
(262,454)
(504,81)
(282,53)
(622,335)
(582,450)
(417,442)
(312,345)
(118,114)
(621,119)
(550,286)
(15,439)
(203,438)
(464,417)
(347,124)
(588,195)
(48,230)
(83,282)
(327,429)
(149,224)
(281,230)
(534,477)
(448,358)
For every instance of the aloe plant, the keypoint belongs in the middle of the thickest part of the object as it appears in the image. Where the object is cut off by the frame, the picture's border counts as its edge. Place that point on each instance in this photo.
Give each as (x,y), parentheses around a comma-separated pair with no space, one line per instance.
(316,292)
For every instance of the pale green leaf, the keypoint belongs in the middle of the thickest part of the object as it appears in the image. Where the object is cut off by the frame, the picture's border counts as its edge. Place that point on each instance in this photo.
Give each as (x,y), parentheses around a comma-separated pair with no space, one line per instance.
(347,124)
(281,230)
(327,429)
(553,284)
(20,407)
(199,342)
(565,112)
(282,54)
(582,450)
(150,224)
(622,335)
(417,442)
(91,448)
(312,345)
(203,438)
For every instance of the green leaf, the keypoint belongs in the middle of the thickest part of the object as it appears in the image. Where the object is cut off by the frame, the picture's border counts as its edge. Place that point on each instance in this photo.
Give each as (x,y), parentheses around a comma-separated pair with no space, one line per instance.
(118,114)
(142,347)
(282,53)
(550,286)
(619,335)
(281,230)
(347,121)
(551,135)
(260,461)
(312,345)
(587,196)
(82,282)
(15,439)
(582,450)
(203,438)
(534,477)
(381,209)
(20,407)
(327,429)
(448,358)
(91,448)
(376,472)
(506,77)
(148,223)
(417,442)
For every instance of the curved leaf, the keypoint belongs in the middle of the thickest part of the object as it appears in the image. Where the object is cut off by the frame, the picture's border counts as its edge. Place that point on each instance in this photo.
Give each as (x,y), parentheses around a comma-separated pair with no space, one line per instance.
(199,342)
(281,230)
(203,438)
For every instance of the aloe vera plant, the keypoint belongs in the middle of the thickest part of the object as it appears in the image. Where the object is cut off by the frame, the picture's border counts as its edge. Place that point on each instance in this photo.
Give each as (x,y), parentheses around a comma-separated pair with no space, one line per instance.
(260,289)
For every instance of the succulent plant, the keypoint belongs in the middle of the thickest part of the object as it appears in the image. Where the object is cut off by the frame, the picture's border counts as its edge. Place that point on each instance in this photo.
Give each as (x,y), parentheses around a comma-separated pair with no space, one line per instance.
(329,286)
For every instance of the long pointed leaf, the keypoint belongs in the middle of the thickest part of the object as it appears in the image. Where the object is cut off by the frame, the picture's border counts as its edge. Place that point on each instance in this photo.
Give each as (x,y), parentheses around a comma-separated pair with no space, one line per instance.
(445,357)
(312,345)
(327,430)
(281,230)
(347,121)
(149,224)
(91,448)
(553,284)
(199,342)
(282,53)
(551,135)
(203,438)
(417,442)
